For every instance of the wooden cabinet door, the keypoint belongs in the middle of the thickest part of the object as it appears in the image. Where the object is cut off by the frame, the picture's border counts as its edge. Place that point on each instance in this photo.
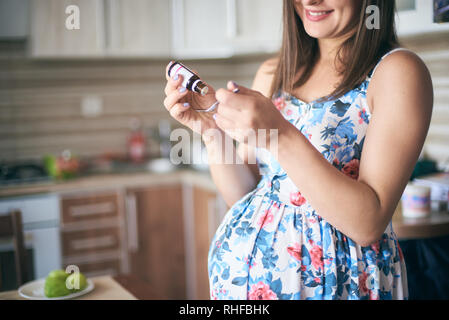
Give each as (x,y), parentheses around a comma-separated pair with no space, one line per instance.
(205,225)
(258,25)
(200,29)
(157,254)
(92,232)
(51,38)
(138,28)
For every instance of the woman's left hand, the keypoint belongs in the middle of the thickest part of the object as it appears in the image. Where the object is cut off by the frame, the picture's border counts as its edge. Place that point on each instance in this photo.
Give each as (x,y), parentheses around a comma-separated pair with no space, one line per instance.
(248,116)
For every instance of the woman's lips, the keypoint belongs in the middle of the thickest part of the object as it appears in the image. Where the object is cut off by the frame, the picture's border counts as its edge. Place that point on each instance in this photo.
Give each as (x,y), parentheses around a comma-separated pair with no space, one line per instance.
(314,15)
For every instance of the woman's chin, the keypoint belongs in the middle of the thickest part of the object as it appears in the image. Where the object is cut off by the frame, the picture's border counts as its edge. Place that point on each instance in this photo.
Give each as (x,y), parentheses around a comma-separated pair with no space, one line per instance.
(319,33)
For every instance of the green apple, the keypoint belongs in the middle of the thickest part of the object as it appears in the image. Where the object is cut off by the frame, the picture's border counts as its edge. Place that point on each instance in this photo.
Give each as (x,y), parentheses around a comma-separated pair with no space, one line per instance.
(60,274)
(77,281)
(55,284)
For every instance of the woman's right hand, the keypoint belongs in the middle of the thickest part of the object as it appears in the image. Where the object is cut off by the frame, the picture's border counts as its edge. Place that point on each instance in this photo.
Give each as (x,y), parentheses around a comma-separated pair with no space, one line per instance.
(180,103)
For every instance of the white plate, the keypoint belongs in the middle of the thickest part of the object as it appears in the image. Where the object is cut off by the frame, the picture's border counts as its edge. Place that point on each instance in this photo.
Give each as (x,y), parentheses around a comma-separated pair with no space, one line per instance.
(34,290)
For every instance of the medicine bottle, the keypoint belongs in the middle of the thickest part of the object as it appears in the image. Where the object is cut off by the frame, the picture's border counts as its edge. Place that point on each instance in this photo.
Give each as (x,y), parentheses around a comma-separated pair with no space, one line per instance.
(190,80)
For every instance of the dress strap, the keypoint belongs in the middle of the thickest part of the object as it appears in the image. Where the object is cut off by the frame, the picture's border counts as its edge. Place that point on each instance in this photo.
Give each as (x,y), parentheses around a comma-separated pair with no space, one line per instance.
(384,56)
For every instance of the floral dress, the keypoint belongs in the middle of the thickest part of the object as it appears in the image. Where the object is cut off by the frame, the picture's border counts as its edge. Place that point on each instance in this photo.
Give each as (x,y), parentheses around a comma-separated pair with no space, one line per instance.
(272,244)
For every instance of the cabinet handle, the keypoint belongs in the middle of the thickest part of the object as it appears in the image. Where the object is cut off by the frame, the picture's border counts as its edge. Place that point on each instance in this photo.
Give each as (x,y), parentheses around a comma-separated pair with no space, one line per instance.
(131,222)
(231,18)
(90,243)
(92,209)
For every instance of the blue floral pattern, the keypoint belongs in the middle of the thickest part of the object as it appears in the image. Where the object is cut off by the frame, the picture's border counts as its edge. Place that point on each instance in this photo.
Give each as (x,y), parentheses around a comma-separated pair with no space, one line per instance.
(273,245)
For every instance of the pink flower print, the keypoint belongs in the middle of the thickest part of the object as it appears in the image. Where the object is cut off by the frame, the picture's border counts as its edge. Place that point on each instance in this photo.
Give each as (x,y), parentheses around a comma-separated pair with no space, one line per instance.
(295,251)
(279,103)
(363,116)
(351,169)
(265,219)
(250,262)
(401,255)
(316,254)
(362,284)
(289,112)
(297,199)
(373,295)
(375,246)
(261,291)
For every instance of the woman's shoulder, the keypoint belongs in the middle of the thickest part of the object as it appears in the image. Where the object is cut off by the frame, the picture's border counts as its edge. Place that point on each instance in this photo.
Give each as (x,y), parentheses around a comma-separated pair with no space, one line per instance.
(264,76)
(401,61)
(400,71)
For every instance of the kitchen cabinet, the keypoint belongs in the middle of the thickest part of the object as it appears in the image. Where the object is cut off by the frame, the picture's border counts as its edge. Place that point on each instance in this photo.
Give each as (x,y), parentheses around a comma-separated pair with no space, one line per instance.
(137,28)
(14,19)
(50,36)
(258,25)
(199,35)
(156,238)
(155,227)
(93,235)
(174,225)
(207,215)
(230,27)
(155,28)
(415,17)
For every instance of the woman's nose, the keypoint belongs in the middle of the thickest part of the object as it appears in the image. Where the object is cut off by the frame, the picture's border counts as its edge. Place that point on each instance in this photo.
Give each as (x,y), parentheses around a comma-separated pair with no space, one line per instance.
(310,2)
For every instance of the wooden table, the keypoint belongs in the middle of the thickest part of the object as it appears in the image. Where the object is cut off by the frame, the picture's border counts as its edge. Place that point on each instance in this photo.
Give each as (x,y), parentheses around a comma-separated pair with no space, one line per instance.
(436,225)
(122,287)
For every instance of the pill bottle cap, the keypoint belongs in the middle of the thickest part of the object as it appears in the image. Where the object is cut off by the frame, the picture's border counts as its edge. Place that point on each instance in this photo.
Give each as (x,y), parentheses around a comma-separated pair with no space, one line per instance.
(202,88)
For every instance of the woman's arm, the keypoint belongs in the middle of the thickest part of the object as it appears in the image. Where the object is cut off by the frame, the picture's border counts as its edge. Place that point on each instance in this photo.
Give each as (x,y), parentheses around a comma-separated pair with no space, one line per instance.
(401,98)
(235,180)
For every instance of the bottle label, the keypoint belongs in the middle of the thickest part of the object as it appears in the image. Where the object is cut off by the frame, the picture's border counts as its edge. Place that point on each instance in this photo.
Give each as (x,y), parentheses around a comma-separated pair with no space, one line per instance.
(186,74)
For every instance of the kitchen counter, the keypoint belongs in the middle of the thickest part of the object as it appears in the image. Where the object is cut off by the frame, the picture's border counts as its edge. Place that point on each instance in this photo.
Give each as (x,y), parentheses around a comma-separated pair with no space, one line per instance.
(436,225)
(405,228)
(115,180)
(106,288)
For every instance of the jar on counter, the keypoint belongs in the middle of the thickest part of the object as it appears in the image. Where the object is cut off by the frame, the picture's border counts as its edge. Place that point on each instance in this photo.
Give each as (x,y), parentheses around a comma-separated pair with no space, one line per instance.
(416,201)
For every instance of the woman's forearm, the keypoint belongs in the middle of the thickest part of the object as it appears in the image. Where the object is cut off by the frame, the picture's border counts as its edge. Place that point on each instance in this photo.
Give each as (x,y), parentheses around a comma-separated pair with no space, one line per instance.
(349,205)
(233,179)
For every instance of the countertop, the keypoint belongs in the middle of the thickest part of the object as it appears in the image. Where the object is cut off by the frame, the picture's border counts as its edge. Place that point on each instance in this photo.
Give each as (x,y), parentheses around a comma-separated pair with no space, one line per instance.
(106,288)
(436,225)
(115,180)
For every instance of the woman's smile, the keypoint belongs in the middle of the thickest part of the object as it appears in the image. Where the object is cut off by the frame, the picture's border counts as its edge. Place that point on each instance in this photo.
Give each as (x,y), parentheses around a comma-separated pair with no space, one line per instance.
(314,15)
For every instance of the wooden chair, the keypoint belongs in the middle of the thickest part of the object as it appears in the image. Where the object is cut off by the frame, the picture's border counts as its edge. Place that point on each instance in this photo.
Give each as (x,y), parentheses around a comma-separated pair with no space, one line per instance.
(11,227)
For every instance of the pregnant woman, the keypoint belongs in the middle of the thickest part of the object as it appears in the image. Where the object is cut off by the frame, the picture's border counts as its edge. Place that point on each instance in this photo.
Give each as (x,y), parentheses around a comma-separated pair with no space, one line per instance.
(351,110)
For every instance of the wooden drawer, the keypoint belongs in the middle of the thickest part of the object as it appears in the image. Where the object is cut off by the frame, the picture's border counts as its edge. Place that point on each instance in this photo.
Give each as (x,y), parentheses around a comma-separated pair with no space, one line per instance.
(90,241)
(100,268)
(89,207)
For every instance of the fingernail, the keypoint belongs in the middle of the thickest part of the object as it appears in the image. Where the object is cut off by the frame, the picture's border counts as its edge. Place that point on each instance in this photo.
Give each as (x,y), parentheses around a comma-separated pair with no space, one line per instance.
(214,116)
(176,77)
(181,90)
(186,104)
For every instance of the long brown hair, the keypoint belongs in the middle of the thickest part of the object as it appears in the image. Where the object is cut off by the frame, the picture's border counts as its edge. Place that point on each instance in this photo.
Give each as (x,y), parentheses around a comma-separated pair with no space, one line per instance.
(358,54)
